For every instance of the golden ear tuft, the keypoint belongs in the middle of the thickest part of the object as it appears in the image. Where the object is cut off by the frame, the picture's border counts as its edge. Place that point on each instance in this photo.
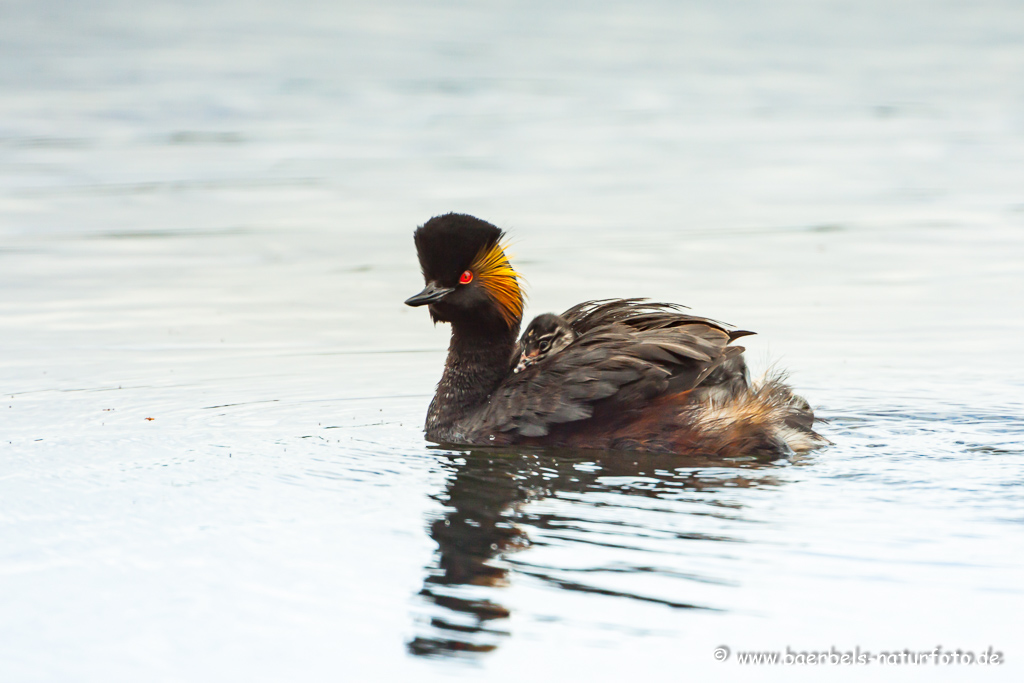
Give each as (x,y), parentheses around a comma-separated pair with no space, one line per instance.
(496,275)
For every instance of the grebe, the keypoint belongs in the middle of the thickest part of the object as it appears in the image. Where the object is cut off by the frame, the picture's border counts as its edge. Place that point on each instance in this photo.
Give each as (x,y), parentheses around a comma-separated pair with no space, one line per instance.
(545,336)
(628,374)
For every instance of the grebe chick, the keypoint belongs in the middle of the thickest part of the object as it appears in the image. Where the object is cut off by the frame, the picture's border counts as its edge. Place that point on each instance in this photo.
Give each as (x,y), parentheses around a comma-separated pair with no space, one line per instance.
(545,336)
(636,376)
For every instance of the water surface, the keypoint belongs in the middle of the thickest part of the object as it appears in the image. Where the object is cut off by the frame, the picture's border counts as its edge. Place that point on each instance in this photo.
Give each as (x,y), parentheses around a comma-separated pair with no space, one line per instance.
(211,458)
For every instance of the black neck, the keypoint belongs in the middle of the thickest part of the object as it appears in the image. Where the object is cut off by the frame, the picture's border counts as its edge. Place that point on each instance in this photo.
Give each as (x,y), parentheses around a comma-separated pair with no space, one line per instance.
(479,358)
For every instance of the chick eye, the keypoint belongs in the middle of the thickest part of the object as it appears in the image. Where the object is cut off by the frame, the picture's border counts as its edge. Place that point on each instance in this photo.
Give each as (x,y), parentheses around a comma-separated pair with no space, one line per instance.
(466,278)
(544,345)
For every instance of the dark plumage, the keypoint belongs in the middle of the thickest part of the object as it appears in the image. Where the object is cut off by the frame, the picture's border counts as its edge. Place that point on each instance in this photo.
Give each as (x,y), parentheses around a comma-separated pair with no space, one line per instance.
(627,374)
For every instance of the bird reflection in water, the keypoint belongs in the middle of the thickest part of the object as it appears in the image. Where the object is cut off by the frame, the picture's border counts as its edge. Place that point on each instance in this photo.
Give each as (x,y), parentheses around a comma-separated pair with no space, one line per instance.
(488,513)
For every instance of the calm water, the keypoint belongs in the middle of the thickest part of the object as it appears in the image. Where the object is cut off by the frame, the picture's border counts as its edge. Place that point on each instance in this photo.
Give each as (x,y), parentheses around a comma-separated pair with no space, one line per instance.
(211,459)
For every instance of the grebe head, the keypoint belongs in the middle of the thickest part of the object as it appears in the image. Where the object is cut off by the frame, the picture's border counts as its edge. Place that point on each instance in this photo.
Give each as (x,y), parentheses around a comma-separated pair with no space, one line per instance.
(546,335)
(467,274)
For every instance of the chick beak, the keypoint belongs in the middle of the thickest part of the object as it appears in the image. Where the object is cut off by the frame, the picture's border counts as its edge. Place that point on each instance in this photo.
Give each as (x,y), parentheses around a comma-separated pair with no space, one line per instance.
(432,293)
(525,361)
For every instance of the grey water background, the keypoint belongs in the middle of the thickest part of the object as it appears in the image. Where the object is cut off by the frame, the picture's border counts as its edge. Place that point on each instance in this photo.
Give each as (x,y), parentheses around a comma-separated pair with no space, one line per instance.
(211,458)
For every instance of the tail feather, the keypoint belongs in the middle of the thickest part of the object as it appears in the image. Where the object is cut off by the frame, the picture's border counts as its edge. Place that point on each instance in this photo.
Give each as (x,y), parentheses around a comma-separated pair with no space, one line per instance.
(763,419)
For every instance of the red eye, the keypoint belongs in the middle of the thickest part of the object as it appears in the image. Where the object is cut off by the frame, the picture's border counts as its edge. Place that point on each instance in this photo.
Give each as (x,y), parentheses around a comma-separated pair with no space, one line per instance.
(466,278)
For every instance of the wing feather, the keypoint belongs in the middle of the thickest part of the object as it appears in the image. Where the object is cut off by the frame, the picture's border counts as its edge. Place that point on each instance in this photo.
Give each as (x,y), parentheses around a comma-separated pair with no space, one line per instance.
(626,351)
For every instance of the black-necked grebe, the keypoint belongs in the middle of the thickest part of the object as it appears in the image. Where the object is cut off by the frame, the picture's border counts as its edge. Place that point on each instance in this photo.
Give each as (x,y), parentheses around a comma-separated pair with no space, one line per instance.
(627,374)
(545,336)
